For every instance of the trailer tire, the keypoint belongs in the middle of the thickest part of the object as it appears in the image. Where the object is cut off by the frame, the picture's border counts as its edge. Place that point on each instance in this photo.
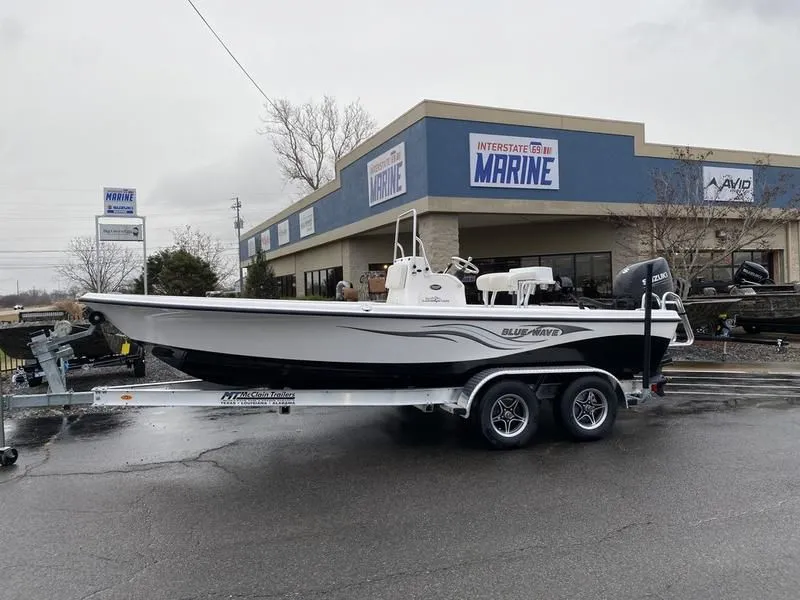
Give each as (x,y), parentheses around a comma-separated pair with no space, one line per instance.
(507,415)
(587,408)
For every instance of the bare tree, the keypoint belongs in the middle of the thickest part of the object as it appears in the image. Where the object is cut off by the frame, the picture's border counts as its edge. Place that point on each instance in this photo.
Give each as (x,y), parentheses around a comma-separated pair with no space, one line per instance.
(110,273)
(311,137)
(208,248)
(688,218)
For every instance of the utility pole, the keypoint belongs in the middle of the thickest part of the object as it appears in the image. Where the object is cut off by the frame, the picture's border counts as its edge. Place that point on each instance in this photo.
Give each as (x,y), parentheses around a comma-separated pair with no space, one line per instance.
(237,224)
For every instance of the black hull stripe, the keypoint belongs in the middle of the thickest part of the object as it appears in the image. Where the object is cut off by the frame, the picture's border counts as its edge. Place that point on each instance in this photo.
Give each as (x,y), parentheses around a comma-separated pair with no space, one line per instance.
(524,315)
(619,355)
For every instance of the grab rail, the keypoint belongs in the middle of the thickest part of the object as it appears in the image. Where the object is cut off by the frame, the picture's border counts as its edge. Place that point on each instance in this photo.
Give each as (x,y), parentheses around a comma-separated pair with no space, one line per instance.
(674,299)
(414,238)
(687,326)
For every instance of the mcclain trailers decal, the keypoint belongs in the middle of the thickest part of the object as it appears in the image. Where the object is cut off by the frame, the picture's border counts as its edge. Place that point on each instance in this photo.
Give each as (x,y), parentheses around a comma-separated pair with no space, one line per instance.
(258,398)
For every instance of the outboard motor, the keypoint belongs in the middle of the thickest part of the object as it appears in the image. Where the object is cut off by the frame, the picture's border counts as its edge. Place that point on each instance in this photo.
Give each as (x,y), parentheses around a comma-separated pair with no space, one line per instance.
(629,284)
(750,273)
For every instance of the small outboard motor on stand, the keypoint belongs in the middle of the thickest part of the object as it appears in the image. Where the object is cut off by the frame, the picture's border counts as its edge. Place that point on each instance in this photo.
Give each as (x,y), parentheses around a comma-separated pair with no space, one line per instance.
(750,273)
(629,284)
(340,287)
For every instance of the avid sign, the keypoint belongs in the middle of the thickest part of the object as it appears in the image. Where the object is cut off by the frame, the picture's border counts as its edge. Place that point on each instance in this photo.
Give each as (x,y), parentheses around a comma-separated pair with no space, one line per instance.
(722,184)
(502,161)
(386,175)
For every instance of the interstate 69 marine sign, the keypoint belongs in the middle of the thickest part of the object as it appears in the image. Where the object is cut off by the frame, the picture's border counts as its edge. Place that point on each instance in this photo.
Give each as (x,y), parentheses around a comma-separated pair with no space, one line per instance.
(386,175)
(501,161)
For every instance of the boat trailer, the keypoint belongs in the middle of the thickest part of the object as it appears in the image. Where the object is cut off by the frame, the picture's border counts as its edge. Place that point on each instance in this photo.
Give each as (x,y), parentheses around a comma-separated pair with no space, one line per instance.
(504,404)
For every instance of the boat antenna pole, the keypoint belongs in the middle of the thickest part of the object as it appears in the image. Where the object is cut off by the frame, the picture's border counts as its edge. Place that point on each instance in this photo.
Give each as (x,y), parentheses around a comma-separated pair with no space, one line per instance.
(648,321)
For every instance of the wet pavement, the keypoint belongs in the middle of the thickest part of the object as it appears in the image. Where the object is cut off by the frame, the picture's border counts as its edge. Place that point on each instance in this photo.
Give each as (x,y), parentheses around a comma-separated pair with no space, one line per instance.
(697,501)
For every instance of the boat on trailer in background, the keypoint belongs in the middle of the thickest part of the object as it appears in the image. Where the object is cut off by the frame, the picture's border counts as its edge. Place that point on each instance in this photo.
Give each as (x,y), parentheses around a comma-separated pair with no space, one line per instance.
(424,347)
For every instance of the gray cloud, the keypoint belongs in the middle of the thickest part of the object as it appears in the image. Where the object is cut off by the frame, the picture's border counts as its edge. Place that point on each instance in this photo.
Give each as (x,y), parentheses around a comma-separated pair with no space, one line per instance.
(769,10)
(11,33)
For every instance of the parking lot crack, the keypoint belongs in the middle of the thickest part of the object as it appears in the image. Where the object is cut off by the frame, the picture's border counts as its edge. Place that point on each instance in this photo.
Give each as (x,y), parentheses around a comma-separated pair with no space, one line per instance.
(121,471)
(744,513)
(622,529)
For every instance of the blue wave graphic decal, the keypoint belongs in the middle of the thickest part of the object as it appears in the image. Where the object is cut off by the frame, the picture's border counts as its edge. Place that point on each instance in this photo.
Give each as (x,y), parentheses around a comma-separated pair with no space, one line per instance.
(510,338)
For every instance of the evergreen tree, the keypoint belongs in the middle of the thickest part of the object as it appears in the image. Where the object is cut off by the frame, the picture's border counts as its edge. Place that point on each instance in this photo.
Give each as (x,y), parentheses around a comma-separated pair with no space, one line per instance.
(177,273)
(261,281)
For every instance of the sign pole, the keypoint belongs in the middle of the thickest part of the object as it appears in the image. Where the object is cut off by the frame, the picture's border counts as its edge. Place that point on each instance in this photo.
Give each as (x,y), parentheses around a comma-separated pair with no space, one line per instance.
(97,242)
(144,251)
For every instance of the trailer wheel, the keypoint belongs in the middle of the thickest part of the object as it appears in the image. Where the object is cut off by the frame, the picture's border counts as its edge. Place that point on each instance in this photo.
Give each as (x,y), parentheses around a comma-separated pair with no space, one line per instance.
(587,408)
(8,456)
(138,368)
(508,414)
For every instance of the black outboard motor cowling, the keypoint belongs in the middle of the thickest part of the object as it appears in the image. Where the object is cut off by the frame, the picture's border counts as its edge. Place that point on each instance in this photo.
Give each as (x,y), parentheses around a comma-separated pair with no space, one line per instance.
(750,273)
(629,284)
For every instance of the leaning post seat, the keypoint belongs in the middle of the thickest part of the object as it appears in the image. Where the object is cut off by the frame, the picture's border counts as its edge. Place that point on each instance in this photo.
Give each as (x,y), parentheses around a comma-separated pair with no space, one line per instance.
(521,281)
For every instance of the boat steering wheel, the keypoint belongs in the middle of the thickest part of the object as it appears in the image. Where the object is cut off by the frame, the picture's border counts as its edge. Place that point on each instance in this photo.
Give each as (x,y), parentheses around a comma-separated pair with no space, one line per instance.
(464,265)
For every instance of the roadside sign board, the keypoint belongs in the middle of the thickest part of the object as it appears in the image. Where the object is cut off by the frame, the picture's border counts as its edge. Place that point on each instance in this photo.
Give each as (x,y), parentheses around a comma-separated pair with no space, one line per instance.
(114,232)
(119,202)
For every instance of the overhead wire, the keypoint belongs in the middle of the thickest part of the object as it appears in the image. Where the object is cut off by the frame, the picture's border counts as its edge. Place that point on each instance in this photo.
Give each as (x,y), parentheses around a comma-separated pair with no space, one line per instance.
(219,39)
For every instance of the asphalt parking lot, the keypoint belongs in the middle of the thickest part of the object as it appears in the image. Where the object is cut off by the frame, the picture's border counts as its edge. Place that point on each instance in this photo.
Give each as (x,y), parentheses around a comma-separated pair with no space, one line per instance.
(696,502)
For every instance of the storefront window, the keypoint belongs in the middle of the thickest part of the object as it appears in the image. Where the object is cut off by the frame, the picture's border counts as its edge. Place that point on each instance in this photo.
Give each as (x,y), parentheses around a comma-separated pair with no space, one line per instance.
(590,272)
(724,270)
(323,282)
(287,285)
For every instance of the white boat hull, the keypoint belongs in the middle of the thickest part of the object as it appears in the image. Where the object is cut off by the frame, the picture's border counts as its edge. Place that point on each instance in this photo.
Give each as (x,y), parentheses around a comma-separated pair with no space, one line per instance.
(339,344)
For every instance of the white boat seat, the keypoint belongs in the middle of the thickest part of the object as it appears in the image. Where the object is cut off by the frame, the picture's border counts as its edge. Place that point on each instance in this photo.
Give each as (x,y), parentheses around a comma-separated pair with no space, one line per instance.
(396,276)
(530,277)
(492,282)
(535,275)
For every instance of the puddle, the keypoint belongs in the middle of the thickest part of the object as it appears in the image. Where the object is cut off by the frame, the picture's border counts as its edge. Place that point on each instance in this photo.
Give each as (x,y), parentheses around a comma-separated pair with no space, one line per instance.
(95,424)
(33,432)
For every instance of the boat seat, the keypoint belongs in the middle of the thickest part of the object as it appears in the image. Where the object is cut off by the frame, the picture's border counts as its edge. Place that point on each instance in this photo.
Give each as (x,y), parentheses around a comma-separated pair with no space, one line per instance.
(396,276)
(530,277)
(492,282)
(539,275)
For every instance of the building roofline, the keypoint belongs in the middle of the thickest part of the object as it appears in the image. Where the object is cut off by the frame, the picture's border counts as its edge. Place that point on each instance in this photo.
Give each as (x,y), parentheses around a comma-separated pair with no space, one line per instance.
(508,116)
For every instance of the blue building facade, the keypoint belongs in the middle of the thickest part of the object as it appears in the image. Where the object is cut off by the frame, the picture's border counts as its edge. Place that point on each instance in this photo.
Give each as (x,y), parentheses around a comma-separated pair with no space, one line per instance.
(502,163)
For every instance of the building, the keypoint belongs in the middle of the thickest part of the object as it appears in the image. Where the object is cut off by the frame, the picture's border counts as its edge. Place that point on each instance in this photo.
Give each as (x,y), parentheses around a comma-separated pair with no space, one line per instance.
(506,187)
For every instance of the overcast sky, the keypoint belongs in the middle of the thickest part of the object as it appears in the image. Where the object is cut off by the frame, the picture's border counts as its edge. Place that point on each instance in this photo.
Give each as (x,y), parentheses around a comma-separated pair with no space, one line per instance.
(138,93)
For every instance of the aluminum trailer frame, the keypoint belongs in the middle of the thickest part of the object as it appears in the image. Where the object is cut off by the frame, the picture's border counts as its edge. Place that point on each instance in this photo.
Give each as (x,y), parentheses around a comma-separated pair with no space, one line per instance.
(544,383)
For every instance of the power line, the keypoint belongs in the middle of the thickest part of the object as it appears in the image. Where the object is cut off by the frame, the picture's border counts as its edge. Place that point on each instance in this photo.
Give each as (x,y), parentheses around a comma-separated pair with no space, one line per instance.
(219,39)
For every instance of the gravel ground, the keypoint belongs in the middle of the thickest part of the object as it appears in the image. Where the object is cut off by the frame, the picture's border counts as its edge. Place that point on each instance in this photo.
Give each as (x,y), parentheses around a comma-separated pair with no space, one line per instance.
(738,352)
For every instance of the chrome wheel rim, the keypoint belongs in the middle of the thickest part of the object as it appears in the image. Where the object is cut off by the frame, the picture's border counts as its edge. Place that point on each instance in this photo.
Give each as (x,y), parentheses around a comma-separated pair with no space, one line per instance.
(509,415)
(590,409)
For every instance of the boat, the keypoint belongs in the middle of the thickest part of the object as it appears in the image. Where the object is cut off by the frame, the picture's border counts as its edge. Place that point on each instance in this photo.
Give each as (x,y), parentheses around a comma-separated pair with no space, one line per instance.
(15,338)
(424,334)
(760,303)
(711,316)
